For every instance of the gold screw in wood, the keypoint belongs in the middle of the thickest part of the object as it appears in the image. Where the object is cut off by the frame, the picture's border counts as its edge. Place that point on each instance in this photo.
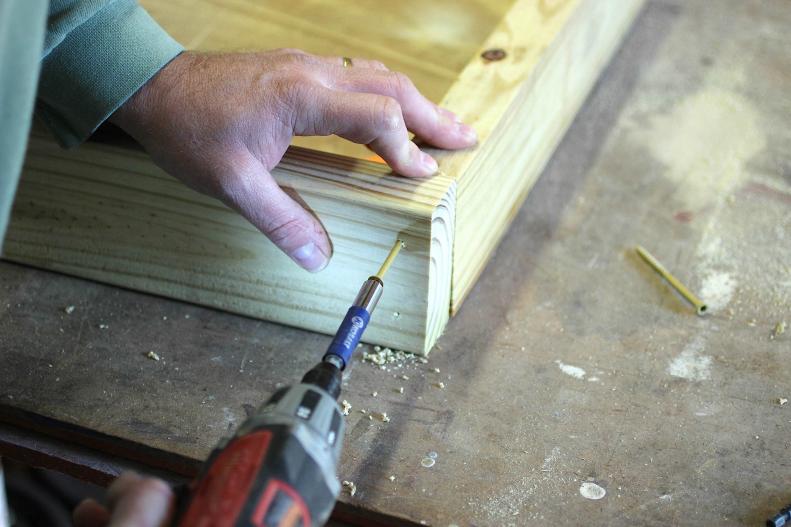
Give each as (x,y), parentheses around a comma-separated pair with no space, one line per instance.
(493,55)
(397,246)
(700,307)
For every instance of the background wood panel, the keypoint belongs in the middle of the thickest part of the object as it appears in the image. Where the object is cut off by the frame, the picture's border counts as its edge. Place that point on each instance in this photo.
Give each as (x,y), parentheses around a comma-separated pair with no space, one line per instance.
(430,41)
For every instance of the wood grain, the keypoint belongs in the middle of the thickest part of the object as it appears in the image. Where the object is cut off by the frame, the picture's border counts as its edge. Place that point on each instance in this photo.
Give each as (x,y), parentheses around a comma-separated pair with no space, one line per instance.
(109,214)
(521,107)
(106,212)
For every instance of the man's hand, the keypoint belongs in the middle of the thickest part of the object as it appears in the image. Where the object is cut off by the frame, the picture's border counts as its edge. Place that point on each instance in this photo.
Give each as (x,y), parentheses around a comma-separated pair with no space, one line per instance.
(221,122)
(131,500)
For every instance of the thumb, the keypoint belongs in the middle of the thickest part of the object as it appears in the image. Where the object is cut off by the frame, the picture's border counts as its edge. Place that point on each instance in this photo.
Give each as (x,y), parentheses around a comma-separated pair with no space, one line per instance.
(252,191)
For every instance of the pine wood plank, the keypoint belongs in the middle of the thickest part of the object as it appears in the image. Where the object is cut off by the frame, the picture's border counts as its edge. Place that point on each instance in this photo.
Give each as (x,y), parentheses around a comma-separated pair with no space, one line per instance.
(521,107)
(105,212)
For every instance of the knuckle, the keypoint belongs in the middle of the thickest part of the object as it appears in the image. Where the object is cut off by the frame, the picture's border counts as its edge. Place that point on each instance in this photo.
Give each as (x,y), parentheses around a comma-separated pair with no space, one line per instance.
(387,114)
(376,64)
(292,86)
(400,83)
(280,229)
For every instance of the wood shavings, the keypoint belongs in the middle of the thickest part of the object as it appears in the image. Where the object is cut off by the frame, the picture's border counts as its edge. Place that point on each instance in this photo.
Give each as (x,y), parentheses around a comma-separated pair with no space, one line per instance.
(68,310)
(153,355)
(382,416)
(779,329)
(349,487)
(384,356)
(345,407)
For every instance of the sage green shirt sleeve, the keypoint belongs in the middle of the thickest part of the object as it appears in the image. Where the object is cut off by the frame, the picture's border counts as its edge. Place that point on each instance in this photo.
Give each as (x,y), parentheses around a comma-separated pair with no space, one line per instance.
(21,36)
(97,53)
(87,57)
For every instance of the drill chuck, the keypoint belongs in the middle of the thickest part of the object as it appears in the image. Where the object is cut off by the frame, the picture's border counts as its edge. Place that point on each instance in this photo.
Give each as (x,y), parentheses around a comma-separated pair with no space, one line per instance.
(354,323)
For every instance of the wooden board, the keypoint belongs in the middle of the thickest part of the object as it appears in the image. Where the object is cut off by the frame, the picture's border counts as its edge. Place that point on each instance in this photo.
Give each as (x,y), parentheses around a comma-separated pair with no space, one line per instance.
(105,212)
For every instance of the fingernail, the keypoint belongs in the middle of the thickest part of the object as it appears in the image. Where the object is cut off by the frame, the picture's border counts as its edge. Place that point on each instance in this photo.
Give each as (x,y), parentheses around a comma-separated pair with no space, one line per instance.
(468,133)
(428,162)
(310,257)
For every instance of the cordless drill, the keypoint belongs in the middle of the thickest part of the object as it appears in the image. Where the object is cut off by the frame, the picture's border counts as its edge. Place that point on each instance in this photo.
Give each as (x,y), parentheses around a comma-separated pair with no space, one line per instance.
(278,469)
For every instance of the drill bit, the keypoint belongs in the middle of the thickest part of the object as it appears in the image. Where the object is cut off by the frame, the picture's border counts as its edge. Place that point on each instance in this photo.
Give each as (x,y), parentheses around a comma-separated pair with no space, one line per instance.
(356,320)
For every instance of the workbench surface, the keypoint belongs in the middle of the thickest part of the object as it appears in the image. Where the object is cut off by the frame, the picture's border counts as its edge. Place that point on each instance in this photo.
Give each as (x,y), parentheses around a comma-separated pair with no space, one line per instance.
(570,363)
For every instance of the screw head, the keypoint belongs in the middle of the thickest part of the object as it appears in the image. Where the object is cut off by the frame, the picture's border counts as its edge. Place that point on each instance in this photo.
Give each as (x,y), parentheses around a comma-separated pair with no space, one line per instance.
(493,54)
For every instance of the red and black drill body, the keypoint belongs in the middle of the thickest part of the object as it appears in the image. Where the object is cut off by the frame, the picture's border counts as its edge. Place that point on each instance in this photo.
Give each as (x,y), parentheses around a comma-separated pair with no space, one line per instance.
(279,468)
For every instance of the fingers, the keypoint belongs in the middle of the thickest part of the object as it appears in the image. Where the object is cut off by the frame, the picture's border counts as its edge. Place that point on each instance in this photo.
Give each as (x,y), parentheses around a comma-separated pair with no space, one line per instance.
(253,192)
(90,514)
(143,502)
(435,125)
(368,119)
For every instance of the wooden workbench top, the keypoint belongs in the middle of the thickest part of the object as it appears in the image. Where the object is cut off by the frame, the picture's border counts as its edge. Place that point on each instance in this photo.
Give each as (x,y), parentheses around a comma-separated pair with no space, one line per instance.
(570,364)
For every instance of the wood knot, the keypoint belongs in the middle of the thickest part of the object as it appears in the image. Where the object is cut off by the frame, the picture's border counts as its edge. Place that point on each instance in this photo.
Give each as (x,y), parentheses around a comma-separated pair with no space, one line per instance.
(493,54)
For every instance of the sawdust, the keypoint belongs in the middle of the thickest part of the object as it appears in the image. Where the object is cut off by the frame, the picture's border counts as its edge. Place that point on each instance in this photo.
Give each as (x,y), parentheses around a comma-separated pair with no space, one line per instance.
(704,143)
(779,329)
(382,416)
(691,364)
(349,487)
(717,289)
(383,357)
